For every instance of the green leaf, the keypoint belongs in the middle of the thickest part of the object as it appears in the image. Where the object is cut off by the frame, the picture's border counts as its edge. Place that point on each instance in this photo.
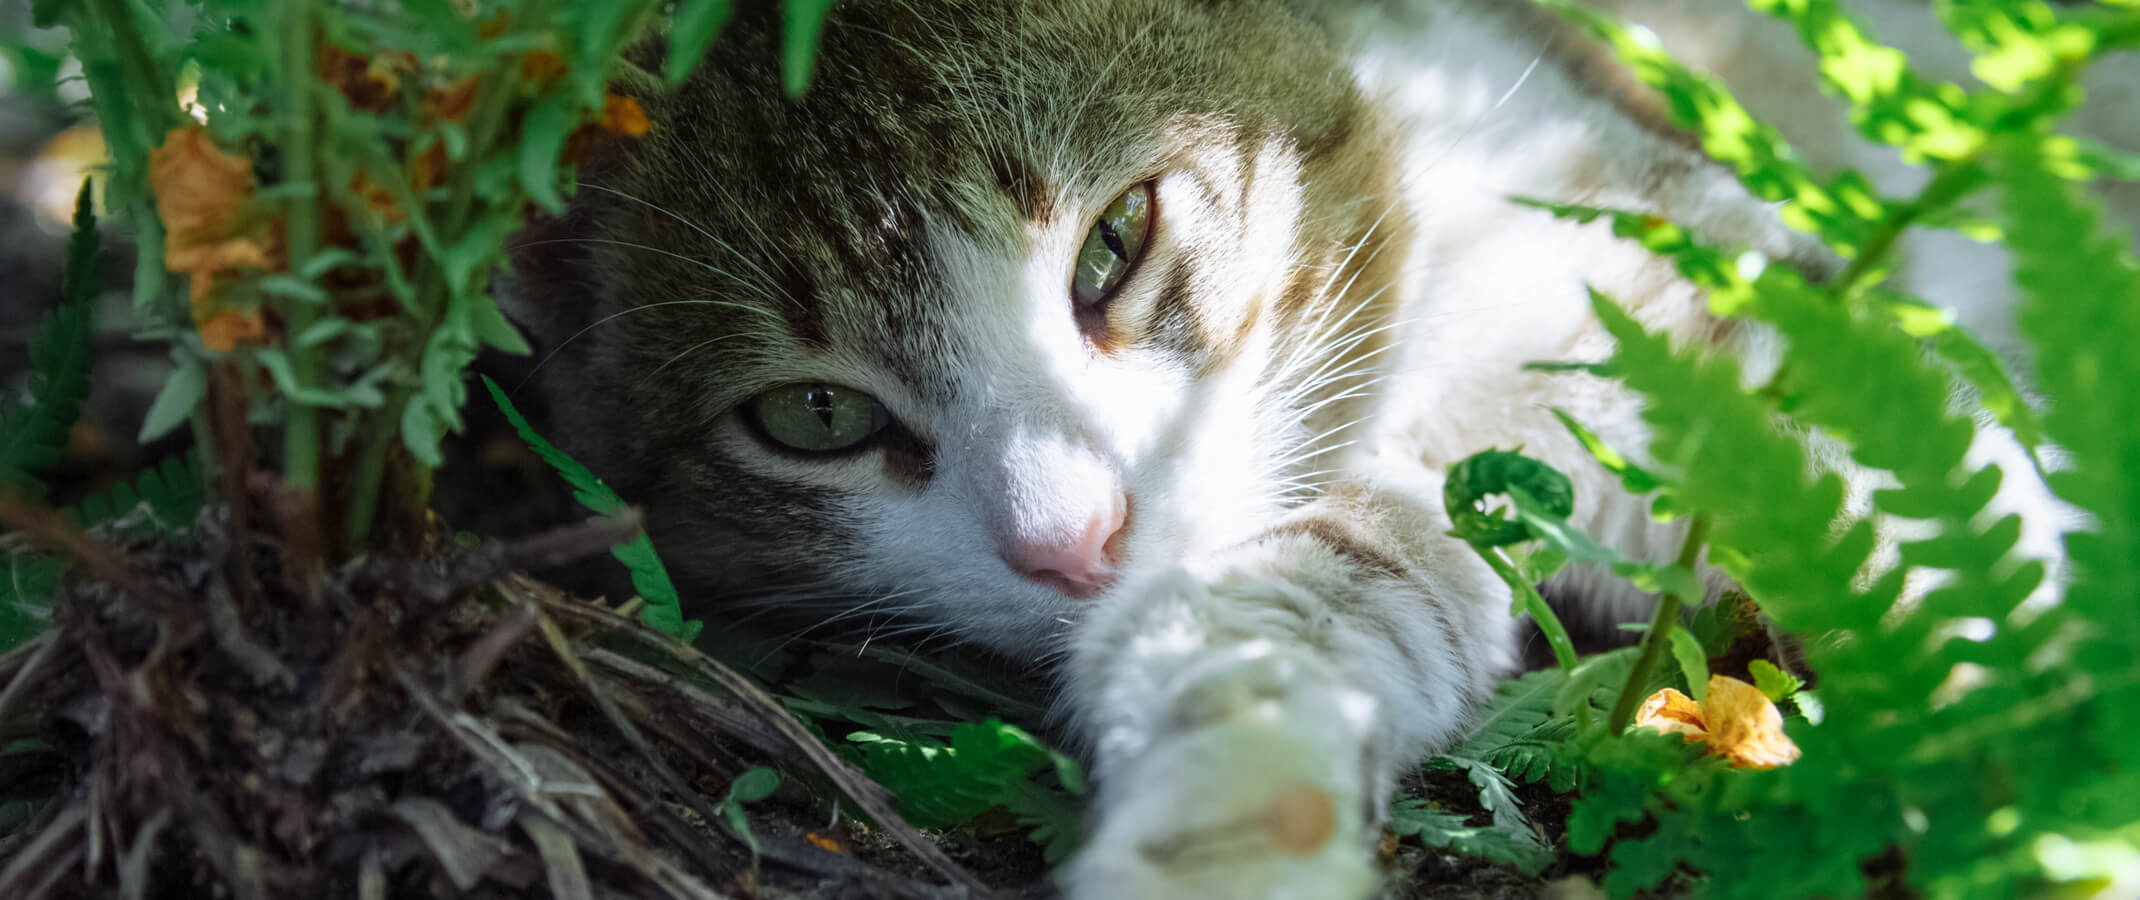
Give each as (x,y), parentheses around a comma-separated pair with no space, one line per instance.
(2081,310)
(755,784)
(34,435)
(277,363)
(691,33)
(802,25)
(1774,683)
(1519,714)
(542,142)
(1551,526)
(984,765)
(421,431)
(182,391)
(663,609)
(1490,472)
(1693,662)
(1632,477)
(444,368)
(494,329)
(293,287)
(28,583)
(1842,213)
(1413,818)
(171,493)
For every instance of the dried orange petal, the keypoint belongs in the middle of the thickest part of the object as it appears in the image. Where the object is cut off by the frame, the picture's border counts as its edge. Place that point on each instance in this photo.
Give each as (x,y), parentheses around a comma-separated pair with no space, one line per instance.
(369,83)
(623,115)
(200,189)
(1672,712)
(453,102)
(1737,721)
(831,842)
(1745,726)
(224,331)
(541,67)
(202,195)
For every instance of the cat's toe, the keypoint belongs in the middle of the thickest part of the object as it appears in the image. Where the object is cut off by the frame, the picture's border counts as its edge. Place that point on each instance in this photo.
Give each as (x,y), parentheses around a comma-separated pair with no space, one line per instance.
(1255,788)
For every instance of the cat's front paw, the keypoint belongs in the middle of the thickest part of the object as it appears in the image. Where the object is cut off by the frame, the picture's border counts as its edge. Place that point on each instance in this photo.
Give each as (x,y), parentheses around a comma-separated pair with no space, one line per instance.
(1253,786)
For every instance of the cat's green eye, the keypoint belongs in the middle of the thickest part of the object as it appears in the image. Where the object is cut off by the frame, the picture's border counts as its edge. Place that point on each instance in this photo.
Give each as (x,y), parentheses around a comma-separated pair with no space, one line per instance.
(1112,247)
(815,417)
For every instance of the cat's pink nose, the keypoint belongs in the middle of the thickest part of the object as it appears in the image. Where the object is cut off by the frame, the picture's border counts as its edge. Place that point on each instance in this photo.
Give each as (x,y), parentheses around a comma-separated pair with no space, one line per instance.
(1080,564)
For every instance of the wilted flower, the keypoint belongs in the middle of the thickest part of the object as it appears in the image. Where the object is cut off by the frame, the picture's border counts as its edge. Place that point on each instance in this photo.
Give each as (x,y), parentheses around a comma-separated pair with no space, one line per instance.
(1736,720)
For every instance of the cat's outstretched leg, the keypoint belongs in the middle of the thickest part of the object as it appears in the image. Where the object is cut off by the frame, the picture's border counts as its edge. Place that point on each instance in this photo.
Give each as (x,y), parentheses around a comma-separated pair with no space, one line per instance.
(1249,713)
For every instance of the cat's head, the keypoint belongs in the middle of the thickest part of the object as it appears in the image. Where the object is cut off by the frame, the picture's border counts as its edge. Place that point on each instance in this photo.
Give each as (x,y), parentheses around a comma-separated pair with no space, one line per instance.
(1019,299)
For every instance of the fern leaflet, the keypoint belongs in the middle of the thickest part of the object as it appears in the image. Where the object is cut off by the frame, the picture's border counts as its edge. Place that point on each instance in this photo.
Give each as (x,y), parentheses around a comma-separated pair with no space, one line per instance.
(33,434)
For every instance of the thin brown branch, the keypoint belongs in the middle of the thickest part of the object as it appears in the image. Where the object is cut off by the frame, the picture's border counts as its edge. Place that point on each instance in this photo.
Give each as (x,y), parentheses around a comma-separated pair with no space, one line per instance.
(872,797)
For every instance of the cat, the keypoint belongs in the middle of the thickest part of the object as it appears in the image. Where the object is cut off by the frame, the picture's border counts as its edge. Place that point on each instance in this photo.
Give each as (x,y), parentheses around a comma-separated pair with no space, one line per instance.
(1130,339)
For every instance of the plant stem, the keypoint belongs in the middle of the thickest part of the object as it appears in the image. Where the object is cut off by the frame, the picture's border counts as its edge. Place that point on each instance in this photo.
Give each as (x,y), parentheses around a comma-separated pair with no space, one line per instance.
(1953,182)
(301,223)
(1541,612)
(369,472)
(158,103)
(1659,637)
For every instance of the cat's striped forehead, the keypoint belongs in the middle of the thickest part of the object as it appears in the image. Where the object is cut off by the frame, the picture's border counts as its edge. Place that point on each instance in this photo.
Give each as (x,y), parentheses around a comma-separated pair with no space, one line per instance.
(812,220)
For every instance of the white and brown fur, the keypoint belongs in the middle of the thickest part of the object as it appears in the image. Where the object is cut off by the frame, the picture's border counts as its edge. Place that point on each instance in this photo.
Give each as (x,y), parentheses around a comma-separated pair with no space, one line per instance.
(1336,304)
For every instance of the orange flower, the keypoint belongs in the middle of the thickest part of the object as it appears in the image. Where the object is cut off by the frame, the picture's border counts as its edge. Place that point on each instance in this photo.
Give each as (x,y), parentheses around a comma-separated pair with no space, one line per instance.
(622,115)
(1736,721)
(203,196)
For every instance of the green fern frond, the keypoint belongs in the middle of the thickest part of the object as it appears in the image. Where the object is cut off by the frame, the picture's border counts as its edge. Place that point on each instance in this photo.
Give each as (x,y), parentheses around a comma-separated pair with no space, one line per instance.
(1732,280)
(1888,101)
(1410,817)
(168,495)
(2082,309)
(34,434)
(28,582)
(984,765)
(1843,211)
(1519,708)
(650,578)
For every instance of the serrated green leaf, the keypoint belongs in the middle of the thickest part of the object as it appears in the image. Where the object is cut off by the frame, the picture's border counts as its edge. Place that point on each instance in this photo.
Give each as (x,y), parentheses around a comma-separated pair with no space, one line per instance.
(663,610)
(28,583)
(171,493)
(34,435)
(1774,683)
(1412,818)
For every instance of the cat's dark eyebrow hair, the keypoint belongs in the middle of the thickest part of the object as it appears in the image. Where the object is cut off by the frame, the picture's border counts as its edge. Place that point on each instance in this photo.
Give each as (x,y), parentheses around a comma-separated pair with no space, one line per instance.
(1023,184)
(799,306)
